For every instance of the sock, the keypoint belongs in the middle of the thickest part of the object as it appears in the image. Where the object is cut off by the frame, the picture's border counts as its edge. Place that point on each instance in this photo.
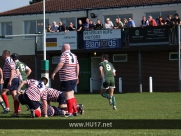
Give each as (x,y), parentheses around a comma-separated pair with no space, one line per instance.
(74,102)
(105,95)
(69,106)
(5,99)
(19,109)
(3,105)
(37,113)
(113,101)
(16,105)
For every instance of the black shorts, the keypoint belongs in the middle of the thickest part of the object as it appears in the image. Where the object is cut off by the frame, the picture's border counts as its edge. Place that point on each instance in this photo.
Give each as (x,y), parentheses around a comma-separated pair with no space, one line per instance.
(24,99)
(14,84)
(68,85)
(57,111)
(61,99)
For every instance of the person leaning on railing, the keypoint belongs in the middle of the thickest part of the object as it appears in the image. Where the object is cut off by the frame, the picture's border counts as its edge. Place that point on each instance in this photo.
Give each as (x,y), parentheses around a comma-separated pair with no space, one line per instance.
(99,25)
(169,22)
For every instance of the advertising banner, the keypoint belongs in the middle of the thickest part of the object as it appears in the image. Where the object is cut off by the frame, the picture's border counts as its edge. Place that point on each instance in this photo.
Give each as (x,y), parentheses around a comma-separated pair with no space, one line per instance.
(54,41)
(102,39)
(149,36)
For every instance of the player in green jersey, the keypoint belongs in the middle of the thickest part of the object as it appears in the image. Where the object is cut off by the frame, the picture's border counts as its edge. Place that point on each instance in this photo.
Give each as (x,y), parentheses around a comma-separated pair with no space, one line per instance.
(107,73)
(23,71)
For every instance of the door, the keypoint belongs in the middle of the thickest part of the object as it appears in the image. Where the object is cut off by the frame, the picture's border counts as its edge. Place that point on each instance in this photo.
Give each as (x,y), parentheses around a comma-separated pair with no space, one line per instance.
(85,74)
(95,74)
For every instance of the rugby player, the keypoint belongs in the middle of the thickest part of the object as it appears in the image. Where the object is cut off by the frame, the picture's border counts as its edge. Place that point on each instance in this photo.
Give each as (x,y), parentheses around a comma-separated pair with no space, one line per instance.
(107,73)
(68,68)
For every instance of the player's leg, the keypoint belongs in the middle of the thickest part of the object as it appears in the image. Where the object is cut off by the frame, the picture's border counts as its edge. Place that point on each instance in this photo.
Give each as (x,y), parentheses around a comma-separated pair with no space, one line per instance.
(80,108)
(67,88)
(4,92)
(13,89)
(111,92)
(2,102)
(34,109)
(104,87)
(3,106)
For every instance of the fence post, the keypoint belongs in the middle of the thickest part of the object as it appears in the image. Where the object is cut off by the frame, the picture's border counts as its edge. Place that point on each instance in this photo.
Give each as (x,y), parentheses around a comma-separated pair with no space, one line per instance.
(91,85)
(150,85)
(120,85)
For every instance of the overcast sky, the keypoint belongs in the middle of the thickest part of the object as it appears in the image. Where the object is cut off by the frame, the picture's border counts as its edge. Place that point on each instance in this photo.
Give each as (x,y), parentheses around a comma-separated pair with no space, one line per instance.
(12,4)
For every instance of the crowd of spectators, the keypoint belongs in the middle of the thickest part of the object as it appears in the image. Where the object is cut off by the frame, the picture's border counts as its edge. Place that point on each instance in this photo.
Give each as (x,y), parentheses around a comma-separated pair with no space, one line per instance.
(117,24)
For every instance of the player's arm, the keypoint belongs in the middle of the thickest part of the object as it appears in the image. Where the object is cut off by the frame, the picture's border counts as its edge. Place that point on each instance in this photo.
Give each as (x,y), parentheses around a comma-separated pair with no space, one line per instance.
(59,66)
(28,71)
(77,72)
(11,76)
(101,71)
(21,85)
(114,72)
(45,107)
(1,76)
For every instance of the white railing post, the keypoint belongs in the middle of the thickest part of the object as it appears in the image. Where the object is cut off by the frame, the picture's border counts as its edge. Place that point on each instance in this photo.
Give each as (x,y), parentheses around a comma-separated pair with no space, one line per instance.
(120,85)
(150,85)
(140,88)
(91,85)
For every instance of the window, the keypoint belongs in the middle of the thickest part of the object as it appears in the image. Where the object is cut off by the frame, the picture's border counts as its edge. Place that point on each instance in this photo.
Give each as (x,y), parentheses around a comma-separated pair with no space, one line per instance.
(113,17)
(66,21)
(6,29)
(173,56)
(120,58)
(55,60)
(34,26)
(164,14)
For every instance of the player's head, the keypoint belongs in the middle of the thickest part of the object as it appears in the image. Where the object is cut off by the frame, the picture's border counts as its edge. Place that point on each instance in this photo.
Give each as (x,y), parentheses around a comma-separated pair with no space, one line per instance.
(5,54)
(44,79)
(15,56)
(105,57)
(65,47)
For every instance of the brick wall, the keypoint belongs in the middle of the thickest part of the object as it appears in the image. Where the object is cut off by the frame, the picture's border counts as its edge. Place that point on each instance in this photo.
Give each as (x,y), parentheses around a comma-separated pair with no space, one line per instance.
(154,63)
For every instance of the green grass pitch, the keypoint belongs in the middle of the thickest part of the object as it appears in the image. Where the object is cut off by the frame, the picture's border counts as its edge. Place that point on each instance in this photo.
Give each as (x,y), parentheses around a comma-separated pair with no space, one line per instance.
(129,105)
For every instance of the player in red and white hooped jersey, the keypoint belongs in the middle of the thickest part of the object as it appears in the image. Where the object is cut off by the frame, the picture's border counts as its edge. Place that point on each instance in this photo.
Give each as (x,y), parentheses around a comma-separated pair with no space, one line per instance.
(11,81)
(32,95)
(53,95)
(68,68)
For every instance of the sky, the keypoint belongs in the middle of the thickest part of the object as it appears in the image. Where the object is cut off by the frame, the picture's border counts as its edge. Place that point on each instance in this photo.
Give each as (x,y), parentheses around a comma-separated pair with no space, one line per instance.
(12,4)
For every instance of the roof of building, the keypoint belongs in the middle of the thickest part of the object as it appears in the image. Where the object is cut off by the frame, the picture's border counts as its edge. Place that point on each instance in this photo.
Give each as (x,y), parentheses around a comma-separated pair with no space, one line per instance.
(78,5)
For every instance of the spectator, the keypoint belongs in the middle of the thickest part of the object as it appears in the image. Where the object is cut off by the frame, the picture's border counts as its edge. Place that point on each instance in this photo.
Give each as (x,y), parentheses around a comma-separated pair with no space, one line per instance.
(86,25)
(131,23)
(99,25)
(152,21)
(61,27)
(109,24)
(71,27)
(80,26)
(144,22)
(125,23)
(161,21)
(176,19)
(91,25)
(54,27)
(120,21)
(117,24)
(169,20)
(157,20)
(48,28)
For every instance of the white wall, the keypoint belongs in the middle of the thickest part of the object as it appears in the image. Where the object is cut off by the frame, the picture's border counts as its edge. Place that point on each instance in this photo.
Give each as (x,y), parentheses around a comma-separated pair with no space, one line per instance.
(24,46)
